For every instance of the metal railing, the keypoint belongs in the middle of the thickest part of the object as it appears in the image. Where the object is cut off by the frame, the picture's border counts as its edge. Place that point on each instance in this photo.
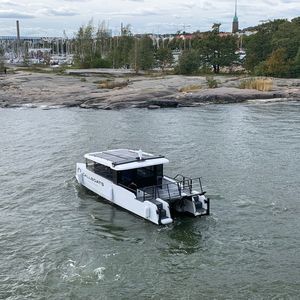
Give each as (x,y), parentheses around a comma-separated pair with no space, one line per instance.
(188,184)
(164,191)
(170,191)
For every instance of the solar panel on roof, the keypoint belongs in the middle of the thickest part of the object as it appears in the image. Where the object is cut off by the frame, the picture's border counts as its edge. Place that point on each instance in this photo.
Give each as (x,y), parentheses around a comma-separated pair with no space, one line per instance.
(123,156)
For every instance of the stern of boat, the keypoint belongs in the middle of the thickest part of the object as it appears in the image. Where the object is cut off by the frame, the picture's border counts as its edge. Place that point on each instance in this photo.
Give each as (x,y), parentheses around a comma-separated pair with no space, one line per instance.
(196,205)
(180,196)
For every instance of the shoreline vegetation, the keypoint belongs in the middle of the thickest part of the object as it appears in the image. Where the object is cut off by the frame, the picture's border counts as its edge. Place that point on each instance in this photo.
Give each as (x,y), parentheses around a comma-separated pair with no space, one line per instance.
(268,49)
(122,88)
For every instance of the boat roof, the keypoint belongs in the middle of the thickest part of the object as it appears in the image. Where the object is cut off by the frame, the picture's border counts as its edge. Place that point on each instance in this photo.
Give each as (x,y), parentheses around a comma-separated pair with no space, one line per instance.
(126,159)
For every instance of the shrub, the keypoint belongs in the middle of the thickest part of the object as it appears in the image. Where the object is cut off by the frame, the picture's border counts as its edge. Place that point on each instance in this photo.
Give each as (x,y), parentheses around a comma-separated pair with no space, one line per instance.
(211,82)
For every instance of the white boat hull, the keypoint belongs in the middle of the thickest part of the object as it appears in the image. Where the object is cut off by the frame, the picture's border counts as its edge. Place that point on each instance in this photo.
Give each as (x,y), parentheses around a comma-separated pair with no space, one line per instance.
(149,210)
(119,195)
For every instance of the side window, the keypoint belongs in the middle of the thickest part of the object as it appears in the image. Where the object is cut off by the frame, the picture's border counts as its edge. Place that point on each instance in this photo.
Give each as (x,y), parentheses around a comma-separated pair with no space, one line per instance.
(159,170)
(126,177)
(103,171)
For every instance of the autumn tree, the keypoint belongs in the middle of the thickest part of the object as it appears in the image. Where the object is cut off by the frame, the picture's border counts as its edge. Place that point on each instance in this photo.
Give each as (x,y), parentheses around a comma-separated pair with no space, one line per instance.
(275,65)
(259,45)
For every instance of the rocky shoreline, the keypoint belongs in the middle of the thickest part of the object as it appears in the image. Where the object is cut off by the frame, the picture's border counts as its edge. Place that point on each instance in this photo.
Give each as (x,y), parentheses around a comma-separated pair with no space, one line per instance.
(82,89)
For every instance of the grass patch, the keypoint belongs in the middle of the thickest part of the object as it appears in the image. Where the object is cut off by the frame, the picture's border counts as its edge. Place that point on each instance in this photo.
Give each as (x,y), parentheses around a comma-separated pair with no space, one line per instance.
(189,88)
(260,84)
(109,84)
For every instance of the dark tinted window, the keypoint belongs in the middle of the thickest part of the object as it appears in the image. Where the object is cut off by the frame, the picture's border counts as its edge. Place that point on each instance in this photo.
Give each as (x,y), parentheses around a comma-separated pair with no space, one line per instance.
(99,169)
(141,177)
(159,170)
(103,171)
(126,177)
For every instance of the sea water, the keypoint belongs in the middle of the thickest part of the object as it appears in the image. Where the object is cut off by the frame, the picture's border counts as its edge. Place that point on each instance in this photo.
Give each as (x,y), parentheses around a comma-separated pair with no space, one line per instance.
(60,241)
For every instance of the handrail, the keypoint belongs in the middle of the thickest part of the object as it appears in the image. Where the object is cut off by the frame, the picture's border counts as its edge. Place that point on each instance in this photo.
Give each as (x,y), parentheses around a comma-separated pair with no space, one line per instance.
(182,186)
(189,181)
(183,177)
(155,191)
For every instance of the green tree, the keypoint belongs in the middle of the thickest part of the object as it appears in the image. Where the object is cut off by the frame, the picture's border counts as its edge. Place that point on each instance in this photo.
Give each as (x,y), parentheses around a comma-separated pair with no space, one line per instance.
(188,62)
(295,68)
(91,47)
(26,55)
(287,36)
(258,46)
(176,44)
(102,39)
(84,46)
(265,46)
(121,50)
(142,54)
(215,50)
(164,58)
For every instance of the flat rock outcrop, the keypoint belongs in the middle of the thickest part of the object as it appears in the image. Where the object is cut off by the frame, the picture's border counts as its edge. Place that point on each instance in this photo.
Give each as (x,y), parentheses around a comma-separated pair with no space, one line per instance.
(48,90)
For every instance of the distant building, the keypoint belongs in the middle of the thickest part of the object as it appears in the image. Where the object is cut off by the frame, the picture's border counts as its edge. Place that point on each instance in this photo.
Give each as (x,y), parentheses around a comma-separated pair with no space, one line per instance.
(235,23)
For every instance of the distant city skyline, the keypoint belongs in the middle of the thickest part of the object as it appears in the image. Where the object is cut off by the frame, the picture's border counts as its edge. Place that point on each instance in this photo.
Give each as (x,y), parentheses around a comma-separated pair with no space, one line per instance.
(51,18)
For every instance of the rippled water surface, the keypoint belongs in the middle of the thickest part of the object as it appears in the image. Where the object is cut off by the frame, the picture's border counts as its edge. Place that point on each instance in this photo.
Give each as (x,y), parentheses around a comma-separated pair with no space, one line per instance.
(60,241)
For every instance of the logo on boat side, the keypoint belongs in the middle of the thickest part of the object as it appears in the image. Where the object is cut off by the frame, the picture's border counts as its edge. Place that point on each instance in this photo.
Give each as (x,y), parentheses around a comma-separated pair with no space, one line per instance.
(93,179)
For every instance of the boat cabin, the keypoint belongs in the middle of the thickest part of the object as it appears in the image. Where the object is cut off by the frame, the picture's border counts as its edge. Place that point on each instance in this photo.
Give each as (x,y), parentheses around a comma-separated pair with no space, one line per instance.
(127,168)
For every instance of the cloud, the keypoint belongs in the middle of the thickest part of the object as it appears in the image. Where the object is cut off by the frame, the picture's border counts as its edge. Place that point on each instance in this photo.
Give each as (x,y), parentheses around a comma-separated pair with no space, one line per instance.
(144,12)
(8,3)
(188,5)
(10,14)
(60,12)
(77,0)
(168,15)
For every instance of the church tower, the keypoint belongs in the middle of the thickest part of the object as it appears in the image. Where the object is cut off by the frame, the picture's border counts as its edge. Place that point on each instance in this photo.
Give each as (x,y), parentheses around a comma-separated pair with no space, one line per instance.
(235,23)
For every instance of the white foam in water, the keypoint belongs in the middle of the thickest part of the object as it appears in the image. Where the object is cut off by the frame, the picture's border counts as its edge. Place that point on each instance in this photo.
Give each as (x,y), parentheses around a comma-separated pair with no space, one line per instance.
(99,272)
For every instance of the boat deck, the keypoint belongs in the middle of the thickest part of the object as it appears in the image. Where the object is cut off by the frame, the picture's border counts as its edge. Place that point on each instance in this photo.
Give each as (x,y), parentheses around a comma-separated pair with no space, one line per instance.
(169,191)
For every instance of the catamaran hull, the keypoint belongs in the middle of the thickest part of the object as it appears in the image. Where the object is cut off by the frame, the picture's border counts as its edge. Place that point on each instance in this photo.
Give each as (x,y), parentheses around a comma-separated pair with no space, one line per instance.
(156,211)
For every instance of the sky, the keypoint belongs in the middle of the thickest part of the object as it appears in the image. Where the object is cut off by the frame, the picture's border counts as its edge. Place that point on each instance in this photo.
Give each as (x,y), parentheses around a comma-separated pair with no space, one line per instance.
(52,18)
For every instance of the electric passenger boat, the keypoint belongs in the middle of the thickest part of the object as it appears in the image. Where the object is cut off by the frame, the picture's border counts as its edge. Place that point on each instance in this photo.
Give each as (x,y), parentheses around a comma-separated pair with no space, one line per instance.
(134,180)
